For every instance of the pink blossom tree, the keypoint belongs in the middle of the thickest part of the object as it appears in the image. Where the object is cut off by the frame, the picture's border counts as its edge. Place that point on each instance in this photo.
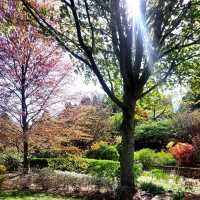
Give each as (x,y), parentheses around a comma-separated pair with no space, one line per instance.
(32,70)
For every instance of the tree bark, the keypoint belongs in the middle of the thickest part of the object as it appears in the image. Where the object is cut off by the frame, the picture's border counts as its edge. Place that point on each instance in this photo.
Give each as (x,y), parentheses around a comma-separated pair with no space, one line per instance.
(25,156)
(24,119)
(126,189)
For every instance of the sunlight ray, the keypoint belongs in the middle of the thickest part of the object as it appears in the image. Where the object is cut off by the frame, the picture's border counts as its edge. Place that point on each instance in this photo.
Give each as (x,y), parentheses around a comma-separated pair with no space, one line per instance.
(135,14)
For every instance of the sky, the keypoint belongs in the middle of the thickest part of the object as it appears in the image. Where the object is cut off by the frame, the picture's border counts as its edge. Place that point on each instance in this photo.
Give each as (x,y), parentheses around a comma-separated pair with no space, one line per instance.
(73,90)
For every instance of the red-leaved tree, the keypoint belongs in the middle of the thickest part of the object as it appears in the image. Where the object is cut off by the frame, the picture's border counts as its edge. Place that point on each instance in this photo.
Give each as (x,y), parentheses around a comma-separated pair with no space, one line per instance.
(31,71)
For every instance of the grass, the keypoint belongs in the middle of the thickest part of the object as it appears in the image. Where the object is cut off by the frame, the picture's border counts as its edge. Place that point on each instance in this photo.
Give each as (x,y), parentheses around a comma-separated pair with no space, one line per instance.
(169,182)
(23,195)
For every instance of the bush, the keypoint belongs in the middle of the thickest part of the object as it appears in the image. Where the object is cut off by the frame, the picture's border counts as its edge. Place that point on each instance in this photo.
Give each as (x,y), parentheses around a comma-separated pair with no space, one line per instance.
(104,168)
(146,157)
(150,158)
(108,168)
(163,158)
(70,163)
(103,151)
(184,153)
(11,159)
(152,188)
(2,169)
(154,134)
(100,168)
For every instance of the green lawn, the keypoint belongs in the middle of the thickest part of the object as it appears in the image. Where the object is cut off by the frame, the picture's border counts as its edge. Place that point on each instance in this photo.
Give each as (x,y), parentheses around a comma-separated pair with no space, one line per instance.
(30,196)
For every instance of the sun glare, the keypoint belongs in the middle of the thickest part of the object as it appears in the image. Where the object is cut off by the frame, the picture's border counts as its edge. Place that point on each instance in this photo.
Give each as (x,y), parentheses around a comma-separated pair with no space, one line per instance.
(136,16)
(133,7)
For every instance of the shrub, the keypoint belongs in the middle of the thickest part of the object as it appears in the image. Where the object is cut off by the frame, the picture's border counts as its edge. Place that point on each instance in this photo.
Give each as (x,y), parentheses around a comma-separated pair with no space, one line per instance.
(11,159)
(97,145)
(104,168)
(103,151)
(184,153)
(70,163)
(108,168)
(150,158)
(163,158)
(2,169)
(146,157)
(154,134)
(152,188)
(100,168)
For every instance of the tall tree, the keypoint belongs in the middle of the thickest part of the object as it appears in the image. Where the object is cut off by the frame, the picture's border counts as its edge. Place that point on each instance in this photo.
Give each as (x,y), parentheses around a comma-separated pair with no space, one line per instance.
(113,42)
(31,71)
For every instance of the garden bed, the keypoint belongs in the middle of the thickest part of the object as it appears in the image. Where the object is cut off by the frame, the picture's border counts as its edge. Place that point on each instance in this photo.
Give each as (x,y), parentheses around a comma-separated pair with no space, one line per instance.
(58,183)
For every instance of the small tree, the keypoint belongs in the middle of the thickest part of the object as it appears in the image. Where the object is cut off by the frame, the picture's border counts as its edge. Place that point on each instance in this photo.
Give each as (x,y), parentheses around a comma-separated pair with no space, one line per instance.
(31,70)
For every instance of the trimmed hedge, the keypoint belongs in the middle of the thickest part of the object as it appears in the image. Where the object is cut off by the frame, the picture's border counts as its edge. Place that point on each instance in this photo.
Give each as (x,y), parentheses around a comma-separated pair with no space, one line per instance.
(70,163)
(101,168)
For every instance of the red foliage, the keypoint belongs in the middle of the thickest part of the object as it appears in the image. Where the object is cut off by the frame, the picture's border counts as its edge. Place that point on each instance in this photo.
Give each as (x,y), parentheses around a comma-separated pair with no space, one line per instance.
(184,153)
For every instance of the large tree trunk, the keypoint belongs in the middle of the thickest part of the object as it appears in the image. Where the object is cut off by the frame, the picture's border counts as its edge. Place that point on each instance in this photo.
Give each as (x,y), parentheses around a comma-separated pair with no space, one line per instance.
(126,189)
(25,148)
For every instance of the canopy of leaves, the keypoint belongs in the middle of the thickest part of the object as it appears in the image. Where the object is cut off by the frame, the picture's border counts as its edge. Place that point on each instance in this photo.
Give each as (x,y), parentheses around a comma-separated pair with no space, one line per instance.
(89,30)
